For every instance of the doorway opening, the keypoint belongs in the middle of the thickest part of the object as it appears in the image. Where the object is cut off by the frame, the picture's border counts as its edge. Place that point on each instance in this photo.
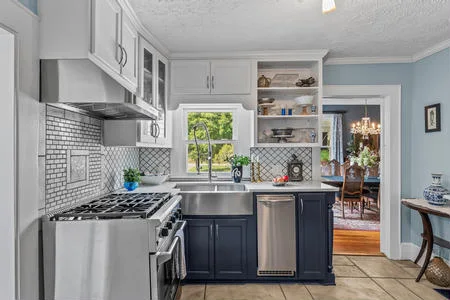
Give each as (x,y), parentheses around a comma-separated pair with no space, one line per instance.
(351,159)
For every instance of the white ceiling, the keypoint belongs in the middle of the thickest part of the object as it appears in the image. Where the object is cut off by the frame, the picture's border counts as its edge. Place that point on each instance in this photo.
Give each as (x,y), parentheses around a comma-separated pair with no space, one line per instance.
(358,28)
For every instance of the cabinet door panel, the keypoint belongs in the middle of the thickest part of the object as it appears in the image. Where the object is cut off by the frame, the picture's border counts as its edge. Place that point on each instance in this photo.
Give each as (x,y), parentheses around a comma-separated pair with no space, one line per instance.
(190,77)
(106,15)
(129,44)
(230,77)
(312,236)
(199,249)
(231,249)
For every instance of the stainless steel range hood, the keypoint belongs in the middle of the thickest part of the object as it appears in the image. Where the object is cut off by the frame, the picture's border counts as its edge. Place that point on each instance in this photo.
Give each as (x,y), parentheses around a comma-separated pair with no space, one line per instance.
(81,84)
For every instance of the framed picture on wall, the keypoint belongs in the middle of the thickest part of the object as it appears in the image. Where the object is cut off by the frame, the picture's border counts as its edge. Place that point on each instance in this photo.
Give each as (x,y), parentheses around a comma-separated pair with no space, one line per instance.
(433,118)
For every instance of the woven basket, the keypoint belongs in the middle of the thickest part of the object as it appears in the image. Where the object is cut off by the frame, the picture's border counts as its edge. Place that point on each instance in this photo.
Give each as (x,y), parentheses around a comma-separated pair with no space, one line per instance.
(438,272)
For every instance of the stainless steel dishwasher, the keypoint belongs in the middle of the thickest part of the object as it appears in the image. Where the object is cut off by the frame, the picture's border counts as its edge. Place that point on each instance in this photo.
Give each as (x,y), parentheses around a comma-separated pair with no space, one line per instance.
(276,235)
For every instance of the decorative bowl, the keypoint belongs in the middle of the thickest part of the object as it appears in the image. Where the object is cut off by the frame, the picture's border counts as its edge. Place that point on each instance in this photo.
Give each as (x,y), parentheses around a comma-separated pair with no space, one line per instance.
(282,131)
(304,100)
(265,100)
(279,183)
(154,179)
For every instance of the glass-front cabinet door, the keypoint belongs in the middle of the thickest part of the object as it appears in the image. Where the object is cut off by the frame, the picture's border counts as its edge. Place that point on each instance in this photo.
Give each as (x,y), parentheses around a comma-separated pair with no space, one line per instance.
(161,100)
(147,72)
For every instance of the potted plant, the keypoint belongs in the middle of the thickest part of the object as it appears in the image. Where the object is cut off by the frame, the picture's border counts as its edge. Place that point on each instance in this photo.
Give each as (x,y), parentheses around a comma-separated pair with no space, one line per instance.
(131,178)
(237,162)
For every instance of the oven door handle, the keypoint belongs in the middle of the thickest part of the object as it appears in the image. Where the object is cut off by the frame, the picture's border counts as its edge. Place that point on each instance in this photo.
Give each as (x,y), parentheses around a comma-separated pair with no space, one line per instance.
(162,257)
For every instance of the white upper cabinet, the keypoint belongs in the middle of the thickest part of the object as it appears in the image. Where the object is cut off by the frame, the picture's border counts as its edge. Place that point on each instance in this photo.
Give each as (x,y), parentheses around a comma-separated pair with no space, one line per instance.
(230,77)
(129,45)
(98,30)
(106,19)
(190,77)
(205,77)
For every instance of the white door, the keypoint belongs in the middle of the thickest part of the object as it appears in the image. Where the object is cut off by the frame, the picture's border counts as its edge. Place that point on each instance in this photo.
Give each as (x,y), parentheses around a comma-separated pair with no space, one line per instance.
(130,47)
(190,77)
(106,16)
(230,77)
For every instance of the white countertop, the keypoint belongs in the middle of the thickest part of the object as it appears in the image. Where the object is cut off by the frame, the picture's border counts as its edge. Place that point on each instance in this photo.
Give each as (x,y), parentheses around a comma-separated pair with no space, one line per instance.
(165,187)
(305,186)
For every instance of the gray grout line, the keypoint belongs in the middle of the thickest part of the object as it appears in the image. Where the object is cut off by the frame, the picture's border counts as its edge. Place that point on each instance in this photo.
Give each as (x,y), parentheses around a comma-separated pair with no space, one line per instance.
(309,292)
(371,278)
(407,287)
(204,292)
(284,295)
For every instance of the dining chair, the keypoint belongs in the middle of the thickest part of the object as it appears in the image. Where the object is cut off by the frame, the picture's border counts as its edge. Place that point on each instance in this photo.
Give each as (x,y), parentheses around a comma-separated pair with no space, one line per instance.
(325,168)
(335,171)
(352,189)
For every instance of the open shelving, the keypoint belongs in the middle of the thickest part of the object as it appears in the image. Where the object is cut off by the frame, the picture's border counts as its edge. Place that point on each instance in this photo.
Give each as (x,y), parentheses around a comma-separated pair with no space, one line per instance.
(306,126)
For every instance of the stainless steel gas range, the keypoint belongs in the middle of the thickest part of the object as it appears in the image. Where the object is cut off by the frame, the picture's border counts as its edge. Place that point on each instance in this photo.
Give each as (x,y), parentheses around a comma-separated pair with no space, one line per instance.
(120,246)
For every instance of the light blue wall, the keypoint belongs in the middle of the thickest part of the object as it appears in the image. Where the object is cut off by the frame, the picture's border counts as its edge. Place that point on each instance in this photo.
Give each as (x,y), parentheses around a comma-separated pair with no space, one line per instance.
(31,5)
(430,151)
(386,74)
(424,82)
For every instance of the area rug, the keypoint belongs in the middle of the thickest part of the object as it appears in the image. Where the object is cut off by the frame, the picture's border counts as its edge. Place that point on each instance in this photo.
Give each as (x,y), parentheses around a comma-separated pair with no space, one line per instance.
(352,221)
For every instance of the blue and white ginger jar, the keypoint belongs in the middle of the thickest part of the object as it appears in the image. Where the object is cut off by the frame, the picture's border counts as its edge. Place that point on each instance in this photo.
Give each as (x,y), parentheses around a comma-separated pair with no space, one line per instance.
(435,192)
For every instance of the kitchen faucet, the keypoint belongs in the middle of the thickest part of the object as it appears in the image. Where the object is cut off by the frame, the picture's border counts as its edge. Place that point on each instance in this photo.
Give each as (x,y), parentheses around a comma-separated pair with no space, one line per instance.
(197,165)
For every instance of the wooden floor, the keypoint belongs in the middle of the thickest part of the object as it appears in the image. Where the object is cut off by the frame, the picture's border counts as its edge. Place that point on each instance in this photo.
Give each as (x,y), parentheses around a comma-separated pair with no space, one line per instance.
(356,242)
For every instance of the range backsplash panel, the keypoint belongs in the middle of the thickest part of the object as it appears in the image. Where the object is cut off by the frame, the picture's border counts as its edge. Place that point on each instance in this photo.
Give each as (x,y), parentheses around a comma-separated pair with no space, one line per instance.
(274,161)
(73,164)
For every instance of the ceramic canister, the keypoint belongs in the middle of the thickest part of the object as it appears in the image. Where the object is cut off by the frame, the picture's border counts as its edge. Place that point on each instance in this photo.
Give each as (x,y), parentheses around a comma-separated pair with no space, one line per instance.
(435,192)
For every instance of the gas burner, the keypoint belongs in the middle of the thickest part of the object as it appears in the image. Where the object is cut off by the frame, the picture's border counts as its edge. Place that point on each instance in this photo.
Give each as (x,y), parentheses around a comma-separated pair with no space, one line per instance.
(116,206)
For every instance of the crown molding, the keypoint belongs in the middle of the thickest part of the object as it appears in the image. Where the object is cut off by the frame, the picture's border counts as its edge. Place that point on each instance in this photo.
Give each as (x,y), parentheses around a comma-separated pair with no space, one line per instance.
(271,54)
(389,60)
(431,50)
(368,60)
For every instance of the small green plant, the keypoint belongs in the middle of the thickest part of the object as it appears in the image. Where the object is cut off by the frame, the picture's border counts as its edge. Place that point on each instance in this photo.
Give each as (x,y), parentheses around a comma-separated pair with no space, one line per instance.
(239,160)
(131,175)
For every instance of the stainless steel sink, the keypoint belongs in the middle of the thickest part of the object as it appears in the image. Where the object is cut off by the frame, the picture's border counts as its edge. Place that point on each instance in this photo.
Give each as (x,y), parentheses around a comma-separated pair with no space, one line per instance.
(211,187)
(215,198)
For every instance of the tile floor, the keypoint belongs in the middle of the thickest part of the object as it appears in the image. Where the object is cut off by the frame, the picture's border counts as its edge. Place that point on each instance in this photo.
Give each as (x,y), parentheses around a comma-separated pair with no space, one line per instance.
(357,278)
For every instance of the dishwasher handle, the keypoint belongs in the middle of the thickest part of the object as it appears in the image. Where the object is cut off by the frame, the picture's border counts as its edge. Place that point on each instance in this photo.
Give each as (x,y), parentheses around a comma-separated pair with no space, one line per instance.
(275,198)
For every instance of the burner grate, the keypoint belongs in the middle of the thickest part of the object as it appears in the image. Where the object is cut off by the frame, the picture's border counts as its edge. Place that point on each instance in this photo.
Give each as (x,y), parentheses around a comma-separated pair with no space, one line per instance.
(116,206)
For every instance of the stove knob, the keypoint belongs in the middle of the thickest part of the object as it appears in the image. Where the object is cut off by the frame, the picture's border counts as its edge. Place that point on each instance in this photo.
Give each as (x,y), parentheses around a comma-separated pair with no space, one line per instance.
(173,219)
(164,232)
(169,225)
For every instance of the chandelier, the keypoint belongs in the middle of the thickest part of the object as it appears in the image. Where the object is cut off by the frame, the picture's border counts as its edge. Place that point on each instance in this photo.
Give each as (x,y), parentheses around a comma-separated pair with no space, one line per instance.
(365,127)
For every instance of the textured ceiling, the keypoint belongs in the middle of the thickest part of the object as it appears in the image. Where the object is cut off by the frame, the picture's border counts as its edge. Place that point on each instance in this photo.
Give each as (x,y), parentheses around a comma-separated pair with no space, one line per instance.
(358,28)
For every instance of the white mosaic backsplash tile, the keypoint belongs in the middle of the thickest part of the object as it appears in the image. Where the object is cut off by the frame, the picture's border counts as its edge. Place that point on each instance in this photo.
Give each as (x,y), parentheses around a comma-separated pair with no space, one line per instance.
(154,160)
(274,161)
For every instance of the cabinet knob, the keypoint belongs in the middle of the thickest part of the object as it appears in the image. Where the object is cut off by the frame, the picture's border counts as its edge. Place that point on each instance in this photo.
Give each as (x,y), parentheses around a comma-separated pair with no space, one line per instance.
(164,232)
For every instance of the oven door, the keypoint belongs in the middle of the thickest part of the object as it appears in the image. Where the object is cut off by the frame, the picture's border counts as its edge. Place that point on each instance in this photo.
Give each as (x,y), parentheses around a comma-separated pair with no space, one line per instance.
(166,285)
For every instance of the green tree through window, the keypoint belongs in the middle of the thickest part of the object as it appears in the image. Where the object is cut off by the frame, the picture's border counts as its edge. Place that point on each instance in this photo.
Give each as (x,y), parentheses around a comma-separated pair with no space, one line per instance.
(220,126)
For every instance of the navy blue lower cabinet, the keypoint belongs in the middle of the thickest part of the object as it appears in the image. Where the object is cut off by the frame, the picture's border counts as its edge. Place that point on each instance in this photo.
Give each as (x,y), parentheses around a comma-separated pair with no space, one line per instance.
(314,249)
(199,249)
(312,236)
(230,248)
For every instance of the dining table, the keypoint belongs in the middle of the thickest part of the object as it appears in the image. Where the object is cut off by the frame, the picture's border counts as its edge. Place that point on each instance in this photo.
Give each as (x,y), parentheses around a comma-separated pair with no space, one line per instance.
(338,181)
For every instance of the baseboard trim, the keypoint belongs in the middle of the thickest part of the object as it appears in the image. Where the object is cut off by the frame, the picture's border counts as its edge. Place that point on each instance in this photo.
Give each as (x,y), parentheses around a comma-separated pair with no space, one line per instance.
(409,251)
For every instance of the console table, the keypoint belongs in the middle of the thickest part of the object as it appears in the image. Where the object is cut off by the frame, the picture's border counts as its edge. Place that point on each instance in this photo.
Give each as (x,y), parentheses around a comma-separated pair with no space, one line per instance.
(428,239)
